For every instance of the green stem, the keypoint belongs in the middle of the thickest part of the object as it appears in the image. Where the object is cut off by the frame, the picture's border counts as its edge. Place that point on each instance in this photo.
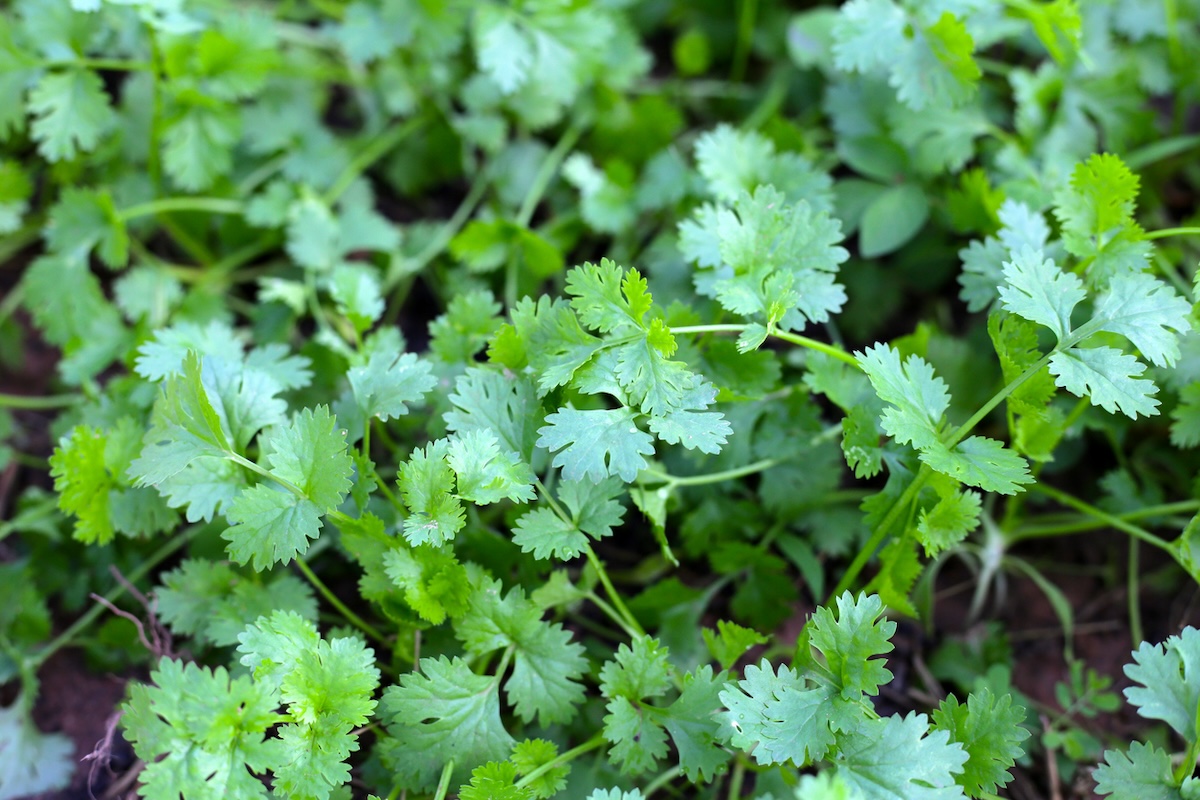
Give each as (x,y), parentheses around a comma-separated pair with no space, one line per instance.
(1111,520)
(380,147)
(18,240)
(1167,232)
(444,782)
(1090,524)
(662,780)
(106,64)
(747,14)
(153,560)
(612,614)
(243,256)
(879,535)
(546,173)
(962,430)
(595,743)
(713,477)
(354,619)
(1134,595)
(613,595)
(264,472)
(207,205)
(736,779)
(34,403)
(793,338)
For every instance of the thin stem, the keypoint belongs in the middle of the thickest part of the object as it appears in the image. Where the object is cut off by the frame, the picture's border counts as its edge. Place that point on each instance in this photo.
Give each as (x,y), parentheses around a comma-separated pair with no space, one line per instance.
(208,205)
(1134,595)
(1108,519)
(34,403)
(18,240)
(546,173)
(243,256)
(747,14)
(712,477)
(444,782)
(105,64)
(1167,232)
(793,338)
(595,743)
(613,595)
(612,614)
(380,147)
(879,535)
(336,602)
(736,779)
(962,430)
(255,468)
(88,617)
(662,780)
(1090,524)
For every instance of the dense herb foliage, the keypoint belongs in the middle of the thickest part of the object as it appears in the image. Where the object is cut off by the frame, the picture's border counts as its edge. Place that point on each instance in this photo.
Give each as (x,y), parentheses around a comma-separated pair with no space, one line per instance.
(567,398)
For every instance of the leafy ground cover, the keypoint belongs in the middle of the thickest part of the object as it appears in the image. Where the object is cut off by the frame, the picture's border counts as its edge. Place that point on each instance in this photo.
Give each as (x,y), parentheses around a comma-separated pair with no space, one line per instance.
(599,399)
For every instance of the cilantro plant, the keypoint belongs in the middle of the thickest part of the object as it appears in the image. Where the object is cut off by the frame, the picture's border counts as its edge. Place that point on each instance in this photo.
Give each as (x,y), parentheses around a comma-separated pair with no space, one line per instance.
(536,398)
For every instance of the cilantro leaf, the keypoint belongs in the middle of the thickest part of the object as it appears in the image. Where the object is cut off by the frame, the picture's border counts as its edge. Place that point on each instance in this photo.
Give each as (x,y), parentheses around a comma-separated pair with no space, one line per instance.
(445,712)
(899,757)
(485,475)
(596,443)
(1148,313)
(1108,378)
(1036,289)
(693,725)
(387,383)
(546,535)
(505,406)
(546,664)
(270,525)
(637,671)
(980,461)
(1142,773)
(989,729)
(533,754)
(948,522)
(311,454)
(209,730)
(638,741)
(918,398)
(435,584)
(495,780)
(851,640)
(779,717)
(71,112)
(1169,678)
(426,482)
(31,761)
(730,642)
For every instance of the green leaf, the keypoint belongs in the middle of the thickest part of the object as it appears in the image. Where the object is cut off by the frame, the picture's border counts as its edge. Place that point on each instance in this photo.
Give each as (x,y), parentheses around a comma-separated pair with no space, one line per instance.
(495,781)
(209,730)
(948,521)
(311,454)
(534,754)
(693,723)
(1169,678)
(596,443)
(918,398)
(83,219)
(1106,377)
(502,49)
(980,461)
(31,762)
(435,584)
(71,112)
(426,483)
(198,141)
(443,713)
(989,729)
(1148,313)
(547,666)
(462,331)
(1036,289)
(1143,773)
(506,406)
(899,757)
(485,475)
(637,671)
(779,717)
(388,382)
(936,69)
(546,535)
(270,526)
(892,220)
(356,291)
(1101,196)
(851,640)
(730,642)
(638,741)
